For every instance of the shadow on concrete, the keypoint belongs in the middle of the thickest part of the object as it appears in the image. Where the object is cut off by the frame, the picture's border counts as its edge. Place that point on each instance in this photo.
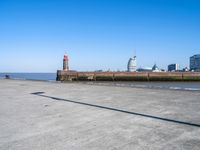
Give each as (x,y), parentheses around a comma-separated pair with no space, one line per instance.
(118,110)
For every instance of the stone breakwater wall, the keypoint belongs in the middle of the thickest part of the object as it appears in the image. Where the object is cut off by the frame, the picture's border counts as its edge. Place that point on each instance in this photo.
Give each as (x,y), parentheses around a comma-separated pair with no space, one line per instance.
(127,76)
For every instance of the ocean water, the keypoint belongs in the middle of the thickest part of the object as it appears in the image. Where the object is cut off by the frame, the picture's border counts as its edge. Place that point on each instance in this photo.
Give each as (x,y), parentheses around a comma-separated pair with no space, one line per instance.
(31,76)
(188,86)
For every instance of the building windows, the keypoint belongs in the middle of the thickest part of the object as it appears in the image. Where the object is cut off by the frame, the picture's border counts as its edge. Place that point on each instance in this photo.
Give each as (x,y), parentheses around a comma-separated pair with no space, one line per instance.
(195,62)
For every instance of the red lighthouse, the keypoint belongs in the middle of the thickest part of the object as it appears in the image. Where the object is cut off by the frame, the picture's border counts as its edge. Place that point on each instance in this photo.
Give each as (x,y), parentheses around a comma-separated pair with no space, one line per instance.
(65,63)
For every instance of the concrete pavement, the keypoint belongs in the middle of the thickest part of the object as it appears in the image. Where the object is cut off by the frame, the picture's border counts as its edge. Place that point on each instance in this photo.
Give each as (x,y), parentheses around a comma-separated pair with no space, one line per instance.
(54,116)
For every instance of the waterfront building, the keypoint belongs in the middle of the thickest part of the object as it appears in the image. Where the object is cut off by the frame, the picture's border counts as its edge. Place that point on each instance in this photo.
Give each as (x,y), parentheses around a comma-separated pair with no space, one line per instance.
(195,62)
(155,68)
(173,67)
(145,69)
(185,69)
(131,67)
(65,63)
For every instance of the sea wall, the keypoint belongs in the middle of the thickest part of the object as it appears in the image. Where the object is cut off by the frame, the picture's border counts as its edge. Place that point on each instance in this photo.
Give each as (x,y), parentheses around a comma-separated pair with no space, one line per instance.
(127,76)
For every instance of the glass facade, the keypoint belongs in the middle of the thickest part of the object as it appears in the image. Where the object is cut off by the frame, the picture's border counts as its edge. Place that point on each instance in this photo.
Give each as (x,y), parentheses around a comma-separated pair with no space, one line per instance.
(173,67)
(195,62)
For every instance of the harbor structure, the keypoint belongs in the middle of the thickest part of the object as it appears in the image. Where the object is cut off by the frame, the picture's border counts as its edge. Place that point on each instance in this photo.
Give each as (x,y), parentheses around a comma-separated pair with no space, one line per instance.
(65,63)
(195,62)
(131,67)
(173,67)
(127,76)
(155,75)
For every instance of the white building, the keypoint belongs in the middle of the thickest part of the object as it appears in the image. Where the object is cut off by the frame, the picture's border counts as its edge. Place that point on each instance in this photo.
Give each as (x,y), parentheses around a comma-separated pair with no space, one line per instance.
(132,64)
(144,69)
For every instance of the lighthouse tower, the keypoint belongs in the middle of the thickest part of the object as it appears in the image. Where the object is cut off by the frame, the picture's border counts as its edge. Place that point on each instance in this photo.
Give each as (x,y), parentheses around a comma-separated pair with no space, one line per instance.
(65,63)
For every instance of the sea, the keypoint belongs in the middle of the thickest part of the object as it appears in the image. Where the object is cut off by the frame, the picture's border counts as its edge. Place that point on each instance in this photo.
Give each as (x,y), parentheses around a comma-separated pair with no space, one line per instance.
(189,86)
(31,76)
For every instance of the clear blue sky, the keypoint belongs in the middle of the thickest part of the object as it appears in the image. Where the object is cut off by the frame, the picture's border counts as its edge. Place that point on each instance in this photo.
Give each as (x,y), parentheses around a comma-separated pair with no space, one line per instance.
(98,34)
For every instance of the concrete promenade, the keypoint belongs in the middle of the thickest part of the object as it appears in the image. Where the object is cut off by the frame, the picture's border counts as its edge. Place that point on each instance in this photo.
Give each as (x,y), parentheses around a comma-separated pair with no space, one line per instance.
(36,115)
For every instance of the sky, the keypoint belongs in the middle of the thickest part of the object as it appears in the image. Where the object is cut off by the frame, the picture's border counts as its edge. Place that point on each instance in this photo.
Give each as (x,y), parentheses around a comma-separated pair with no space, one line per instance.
(97,34)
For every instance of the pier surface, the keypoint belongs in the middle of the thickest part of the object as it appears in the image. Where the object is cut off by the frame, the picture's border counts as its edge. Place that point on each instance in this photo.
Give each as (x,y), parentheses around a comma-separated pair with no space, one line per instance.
(38,115)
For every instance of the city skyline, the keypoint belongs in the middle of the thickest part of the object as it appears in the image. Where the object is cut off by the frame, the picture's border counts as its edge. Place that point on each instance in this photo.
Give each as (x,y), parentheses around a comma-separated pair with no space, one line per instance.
(97,34)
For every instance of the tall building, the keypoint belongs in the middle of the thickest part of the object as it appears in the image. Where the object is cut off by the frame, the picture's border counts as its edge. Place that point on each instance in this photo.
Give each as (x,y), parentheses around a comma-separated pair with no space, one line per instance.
(131,67)
(65,63)
(173,67)
(195,62)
